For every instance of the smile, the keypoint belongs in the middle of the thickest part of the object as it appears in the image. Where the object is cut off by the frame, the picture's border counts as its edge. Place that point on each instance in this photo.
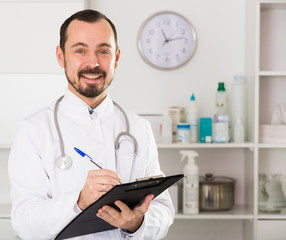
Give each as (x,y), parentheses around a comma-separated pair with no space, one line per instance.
(91,76)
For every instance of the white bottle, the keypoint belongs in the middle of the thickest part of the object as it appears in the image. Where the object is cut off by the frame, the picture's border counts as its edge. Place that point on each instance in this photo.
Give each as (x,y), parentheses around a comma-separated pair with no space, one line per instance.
(238,132)
(238,105)
(220,126)
(192,119)
(167,131)
(190,184)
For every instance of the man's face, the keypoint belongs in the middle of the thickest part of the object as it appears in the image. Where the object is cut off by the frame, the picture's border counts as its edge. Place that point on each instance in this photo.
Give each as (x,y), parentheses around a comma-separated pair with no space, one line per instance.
(90,57)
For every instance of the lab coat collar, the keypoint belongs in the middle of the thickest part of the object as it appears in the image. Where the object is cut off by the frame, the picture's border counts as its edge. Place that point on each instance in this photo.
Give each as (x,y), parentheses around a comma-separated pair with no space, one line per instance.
(73,104)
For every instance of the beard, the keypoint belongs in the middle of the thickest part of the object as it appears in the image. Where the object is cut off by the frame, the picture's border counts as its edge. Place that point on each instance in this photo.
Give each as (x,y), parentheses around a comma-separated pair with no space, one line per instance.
(92,90)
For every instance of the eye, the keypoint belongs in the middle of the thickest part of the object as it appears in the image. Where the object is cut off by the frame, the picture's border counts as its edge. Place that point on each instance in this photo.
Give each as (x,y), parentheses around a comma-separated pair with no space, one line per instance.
(80,51)
(103,52)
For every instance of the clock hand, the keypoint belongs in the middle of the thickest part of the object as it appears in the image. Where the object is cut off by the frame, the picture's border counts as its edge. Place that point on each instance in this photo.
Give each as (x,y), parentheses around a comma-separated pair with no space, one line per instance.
(172,39)
(166,39)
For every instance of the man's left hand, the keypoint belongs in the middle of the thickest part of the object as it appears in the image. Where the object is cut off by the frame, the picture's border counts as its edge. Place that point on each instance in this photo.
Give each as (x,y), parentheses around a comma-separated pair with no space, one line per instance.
(127,219)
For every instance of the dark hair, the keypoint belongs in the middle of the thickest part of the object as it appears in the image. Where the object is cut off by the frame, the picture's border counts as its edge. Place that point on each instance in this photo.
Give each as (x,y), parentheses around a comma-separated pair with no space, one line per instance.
(89,16)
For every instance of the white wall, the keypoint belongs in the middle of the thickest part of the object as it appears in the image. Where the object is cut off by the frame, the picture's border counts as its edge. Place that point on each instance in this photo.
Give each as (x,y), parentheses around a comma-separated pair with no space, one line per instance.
(31,35)
(220,27)
(31,79)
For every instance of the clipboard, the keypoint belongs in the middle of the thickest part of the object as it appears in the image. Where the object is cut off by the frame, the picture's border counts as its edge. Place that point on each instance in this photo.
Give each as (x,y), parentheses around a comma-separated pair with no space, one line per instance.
(131,194)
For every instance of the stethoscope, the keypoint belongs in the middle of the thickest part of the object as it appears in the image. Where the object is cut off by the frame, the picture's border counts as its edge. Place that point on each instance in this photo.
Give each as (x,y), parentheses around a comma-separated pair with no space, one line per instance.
(64,161)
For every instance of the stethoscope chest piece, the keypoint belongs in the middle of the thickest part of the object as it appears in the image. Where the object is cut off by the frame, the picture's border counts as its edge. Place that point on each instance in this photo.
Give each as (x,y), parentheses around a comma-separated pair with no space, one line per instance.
(64,162)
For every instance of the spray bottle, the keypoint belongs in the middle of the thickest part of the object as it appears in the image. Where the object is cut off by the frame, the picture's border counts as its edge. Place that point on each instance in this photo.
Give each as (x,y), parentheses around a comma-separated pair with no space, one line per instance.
(191,183)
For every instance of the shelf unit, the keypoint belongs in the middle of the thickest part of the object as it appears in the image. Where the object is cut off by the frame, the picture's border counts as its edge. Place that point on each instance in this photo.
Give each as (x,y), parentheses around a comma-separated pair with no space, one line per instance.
(270,79)
(265,71)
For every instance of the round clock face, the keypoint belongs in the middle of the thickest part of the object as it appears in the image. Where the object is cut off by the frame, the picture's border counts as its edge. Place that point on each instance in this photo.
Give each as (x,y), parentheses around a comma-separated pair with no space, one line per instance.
(167,40)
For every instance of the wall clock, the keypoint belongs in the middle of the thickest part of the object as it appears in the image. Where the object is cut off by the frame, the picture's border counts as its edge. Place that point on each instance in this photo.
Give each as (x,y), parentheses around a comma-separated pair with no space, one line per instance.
(167,40)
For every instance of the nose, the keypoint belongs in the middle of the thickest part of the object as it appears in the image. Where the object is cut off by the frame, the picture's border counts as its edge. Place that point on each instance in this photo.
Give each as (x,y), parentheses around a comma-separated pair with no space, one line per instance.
(93,61)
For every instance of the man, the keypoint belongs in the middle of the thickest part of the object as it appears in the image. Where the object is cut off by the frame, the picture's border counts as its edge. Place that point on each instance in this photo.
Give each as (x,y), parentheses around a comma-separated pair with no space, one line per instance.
(45,198)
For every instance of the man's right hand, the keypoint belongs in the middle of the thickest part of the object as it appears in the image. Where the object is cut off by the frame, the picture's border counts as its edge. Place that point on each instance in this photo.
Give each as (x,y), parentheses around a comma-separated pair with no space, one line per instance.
(97,183)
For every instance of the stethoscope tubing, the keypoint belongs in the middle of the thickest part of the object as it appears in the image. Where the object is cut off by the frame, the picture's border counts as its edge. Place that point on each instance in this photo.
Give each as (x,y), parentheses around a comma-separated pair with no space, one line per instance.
(64,161)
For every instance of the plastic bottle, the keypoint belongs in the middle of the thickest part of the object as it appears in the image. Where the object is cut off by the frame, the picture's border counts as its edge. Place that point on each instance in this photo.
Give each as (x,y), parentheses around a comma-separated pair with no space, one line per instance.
(238,107)
(167,131)
(192,119)
(221,118)
(191,183)
(238,132)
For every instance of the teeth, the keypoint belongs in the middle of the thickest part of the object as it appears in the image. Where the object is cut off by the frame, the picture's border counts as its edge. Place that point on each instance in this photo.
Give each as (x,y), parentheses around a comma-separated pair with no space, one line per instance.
(90,76)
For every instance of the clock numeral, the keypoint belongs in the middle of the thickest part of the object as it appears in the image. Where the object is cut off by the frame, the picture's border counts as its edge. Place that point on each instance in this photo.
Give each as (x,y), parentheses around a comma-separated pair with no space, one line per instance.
(167,60)
(183,31)
(158,56)
(150,50)
(148,40)
(167,21)
(184,50)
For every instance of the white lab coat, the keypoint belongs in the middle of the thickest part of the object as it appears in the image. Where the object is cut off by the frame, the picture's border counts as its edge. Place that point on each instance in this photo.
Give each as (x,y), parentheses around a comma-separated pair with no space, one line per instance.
(44,197)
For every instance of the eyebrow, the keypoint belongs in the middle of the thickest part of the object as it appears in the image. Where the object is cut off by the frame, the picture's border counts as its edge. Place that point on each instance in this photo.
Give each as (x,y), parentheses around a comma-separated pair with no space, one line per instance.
(85,45)
(79,44)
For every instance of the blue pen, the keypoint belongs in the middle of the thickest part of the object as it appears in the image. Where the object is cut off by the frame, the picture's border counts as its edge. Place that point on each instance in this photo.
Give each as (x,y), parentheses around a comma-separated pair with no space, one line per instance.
(84,155)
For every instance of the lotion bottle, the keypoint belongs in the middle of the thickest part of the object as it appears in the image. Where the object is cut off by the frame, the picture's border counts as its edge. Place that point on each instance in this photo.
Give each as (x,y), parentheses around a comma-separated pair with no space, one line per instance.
(191,183)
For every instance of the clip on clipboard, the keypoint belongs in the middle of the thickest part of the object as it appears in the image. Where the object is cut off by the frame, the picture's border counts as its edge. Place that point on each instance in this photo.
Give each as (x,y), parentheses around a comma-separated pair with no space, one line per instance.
(131,194)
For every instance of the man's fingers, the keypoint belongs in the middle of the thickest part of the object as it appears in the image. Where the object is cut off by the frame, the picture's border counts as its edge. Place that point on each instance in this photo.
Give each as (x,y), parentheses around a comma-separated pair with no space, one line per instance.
(145,205)
(103,173)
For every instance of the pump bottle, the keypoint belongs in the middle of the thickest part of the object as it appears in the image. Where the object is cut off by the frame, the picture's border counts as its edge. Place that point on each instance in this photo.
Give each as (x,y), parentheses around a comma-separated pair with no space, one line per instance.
(191,183)
(192,119)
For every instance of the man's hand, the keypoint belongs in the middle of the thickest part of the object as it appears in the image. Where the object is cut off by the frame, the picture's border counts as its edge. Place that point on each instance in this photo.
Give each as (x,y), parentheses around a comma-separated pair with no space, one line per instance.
(97,183)
(127,219)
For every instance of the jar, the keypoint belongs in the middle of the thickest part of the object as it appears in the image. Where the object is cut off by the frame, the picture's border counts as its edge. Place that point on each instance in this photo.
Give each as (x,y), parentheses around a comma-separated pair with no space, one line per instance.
(183,133)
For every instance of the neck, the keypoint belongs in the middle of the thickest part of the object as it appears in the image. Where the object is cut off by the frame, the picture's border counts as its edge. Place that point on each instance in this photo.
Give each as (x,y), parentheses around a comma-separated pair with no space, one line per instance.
(92,102)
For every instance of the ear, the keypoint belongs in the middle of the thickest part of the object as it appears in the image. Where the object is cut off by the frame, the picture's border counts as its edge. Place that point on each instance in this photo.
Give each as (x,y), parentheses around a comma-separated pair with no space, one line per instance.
(60,56)
(117,57)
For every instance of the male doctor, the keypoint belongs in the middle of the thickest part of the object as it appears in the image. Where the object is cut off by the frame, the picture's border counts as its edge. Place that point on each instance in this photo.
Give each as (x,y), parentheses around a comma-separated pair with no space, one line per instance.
(45,198)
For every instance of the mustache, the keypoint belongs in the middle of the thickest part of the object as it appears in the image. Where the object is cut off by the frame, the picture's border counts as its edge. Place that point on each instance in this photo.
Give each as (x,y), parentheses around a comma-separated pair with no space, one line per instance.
(96,70)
